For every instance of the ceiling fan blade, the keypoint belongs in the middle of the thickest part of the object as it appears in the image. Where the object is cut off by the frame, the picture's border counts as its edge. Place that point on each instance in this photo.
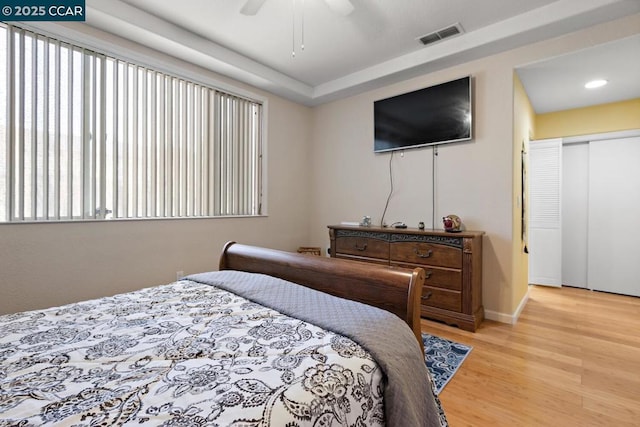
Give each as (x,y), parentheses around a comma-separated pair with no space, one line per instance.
(251,7)
(343,7)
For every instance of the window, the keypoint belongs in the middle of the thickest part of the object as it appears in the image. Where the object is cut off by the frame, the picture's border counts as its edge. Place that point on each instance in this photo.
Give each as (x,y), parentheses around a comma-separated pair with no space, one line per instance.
(87,136)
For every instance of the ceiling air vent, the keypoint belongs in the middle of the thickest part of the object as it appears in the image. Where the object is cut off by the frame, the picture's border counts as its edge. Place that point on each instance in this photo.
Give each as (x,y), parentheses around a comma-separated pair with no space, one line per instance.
(436,36)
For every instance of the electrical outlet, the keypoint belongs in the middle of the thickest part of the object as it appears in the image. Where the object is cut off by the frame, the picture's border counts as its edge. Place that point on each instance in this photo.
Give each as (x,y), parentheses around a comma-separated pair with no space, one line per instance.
(179,274)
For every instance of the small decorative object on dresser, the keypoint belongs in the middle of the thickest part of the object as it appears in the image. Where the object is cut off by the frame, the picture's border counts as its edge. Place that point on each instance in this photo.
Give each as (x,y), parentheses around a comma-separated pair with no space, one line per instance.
(311,250)
(452,290)
(452,223)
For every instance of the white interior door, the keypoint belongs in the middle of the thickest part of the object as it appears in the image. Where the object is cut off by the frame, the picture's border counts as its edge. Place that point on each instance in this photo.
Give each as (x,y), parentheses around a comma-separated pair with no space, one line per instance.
(545,212)
(614,209)
(575,205)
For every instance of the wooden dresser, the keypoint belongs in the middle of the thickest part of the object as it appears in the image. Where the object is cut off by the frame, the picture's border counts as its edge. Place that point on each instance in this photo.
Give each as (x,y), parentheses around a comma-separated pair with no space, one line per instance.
(452,262)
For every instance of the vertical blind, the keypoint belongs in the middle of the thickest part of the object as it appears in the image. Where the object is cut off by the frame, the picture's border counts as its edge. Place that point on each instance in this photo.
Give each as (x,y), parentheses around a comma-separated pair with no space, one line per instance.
(87,136)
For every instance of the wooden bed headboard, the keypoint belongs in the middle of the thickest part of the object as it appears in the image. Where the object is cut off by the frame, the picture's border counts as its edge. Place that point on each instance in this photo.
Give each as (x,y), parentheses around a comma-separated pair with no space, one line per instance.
(397,290)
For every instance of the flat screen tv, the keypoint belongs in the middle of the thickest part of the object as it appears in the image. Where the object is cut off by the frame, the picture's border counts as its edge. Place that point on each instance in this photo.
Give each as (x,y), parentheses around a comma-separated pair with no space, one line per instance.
(434,115)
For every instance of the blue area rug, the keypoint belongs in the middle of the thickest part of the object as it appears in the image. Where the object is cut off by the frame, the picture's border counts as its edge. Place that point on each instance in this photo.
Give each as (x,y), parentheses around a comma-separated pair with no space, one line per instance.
(443,358)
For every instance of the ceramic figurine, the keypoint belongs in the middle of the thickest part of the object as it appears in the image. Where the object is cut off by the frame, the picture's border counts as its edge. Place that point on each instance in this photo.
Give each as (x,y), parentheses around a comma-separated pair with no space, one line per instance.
(452,223)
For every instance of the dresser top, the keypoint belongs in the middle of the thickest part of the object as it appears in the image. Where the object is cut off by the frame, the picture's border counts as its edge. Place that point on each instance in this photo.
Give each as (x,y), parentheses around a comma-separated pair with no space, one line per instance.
(426,231)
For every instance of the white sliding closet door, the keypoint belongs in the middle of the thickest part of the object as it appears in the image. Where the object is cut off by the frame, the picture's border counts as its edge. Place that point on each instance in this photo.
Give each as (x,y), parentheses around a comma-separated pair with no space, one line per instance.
(614,211)
(575,217)
(545,219)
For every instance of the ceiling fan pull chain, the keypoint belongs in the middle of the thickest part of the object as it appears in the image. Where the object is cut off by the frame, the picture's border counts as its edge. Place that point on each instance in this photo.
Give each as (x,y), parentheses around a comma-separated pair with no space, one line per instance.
(293,30)
(302,29)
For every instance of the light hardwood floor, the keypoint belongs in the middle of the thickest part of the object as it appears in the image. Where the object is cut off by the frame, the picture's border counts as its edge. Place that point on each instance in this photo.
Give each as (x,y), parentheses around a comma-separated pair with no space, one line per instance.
(573,359)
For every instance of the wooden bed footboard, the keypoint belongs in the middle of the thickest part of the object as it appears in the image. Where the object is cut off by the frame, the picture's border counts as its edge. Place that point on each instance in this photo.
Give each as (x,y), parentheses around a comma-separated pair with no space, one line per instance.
(397,290)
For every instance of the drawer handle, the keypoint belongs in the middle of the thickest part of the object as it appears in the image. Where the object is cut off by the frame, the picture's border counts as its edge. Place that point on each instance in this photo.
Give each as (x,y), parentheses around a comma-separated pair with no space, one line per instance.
(423,255)
(361,248)
(428,274)
(427,296)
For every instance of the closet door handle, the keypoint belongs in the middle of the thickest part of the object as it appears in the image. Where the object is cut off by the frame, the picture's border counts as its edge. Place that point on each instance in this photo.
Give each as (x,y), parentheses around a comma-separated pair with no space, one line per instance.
(423,255)
(361,248)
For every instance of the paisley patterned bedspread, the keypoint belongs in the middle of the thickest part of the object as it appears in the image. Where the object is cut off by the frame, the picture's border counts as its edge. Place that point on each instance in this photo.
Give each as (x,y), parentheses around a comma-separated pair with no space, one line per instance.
(183,354)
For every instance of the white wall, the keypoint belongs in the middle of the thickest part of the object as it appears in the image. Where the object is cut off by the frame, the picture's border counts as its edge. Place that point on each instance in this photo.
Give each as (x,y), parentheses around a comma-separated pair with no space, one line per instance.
(474,180)
(43,265)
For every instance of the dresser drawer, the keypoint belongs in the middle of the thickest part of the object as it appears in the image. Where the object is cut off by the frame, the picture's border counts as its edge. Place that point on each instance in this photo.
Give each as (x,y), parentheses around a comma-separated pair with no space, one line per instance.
(436,277)
(426,254)
(443,278)
(362,259)
(442,298)
(363,247)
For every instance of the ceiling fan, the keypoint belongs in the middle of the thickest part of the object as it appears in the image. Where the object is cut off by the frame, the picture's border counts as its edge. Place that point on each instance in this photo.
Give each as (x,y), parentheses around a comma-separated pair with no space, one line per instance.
(342,7)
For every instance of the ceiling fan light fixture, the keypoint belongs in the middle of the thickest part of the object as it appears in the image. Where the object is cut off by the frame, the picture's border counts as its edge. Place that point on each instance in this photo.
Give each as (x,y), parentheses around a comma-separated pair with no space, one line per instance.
(593,84)
(342,7)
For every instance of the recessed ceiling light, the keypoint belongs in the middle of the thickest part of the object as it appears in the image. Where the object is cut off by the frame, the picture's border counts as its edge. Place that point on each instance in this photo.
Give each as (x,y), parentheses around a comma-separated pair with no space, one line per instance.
(595,83)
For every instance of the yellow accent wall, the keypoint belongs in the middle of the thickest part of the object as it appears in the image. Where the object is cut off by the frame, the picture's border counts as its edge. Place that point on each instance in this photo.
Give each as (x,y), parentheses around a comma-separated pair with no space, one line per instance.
(524,120)
(616,116)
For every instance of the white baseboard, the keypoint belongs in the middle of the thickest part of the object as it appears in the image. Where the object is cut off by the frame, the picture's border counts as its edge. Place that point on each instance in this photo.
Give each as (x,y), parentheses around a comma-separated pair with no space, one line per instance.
(511,319)
(498,317)
(518,311)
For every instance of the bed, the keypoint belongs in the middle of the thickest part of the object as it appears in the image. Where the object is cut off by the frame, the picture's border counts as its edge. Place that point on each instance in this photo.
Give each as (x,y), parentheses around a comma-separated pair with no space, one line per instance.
(271,339)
